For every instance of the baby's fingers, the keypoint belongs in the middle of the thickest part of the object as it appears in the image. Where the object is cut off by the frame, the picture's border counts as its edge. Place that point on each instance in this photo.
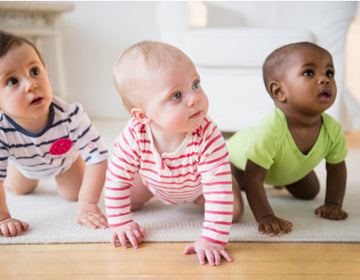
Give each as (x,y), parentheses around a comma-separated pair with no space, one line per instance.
(4,230)
(13,228)
(94,220)
(201,256)
(134,238)
(271,229)
(226,256)
(200,253)
(331,212)
(89,221)
(337,214)
(213,256)
(189,249)
(122,239)
(210,256)
(99,220)
(286,226)
(275,228)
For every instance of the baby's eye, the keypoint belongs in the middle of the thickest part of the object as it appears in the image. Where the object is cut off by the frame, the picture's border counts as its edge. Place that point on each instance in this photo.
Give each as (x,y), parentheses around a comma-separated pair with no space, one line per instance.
(176,95)
(34,71)
(330,73)
(309,73)
(12,81)
(196,85)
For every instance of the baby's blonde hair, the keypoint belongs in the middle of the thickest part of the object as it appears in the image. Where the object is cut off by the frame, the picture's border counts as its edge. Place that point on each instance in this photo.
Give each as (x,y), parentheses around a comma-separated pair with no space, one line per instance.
(150,55)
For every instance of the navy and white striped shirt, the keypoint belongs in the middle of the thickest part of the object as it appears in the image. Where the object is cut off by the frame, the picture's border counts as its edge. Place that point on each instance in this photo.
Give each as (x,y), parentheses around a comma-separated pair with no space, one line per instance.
(36,156)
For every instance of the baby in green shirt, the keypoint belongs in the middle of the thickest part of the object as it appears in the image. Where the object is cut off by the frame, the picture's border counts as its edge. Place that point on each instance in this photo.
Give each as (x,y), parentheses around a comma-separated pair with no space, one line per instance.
(292,140)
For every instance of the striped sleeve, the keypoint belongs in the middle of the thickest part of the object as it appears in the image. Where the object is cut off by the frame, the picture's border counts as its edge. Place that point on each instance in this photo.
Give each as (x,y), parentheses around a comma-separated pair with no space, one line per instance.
(123,166)
(4,155)
(214,167)
(85,136)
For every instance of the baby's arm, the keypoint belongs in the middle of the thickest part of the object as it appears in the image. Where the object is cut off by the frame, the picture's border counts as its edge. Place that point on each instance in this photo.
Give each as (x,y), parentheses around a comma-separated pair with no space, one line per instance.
(254,177)
(335,192)
(88,212)
(9,226)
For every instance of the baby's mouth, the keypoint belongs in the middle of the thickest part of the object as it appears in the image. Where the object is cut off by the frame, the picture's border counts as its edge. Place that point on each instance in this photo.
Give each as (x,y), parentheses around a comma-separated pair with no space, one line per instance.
(36,101)
(325,96)
(197,114)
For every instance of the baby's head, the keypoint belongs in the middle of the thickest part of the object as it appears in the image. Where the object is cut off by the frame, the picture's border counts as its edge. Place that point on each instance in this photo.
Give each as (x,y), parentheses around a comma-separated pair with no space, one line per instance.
(303,70)
(160,85)
(9,41)
(132,69)
(25,90)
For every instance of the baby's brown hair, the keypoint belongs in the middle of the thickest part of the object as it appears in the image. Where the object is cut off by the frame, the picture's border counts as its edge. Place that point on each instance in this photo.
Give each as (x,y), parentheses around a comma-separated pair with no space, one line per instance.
(9,40)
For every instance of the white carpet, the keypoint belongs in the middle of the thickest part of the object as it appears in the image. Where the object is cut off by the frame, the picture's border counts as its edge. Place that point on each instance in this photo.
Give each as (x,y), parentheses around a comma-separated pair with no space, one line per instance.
(52,219)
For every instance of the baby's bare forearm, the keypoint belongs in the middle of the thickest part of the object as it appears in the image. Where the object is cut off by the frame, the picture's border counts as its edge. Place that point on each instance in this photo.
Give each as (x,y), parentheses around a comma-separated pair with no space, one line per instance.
(93,182)
(335,183)
(4,211)
(254,176)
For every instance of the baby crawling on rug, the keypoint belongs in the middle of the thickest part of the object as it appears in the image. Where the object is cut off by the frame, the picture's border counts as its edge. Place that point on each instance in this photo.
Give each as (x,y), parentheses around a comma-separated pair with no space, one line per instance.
(43,136)
(291,141)
(169,149)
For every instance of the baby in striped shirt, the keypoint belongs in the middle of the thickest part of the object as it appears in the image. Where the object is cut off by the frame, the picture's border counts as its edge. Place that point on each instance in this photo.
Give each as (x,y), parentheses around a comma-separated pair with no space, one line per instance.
(43,136)
(170,149)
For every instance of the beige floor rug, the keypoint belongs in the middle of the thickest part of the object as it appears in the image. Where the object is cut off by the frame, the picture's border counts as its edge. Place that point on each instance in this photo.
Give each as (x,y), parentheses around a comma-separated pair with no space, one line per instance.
(52,219)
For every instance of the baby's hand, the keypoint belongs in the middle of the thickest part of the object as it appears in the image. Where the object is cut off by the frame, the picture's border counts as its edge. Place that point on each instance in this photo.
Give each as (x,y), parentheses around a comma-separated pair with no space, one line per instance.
(208,250)
(332,212)
(12,227)
(274,225)
(131,231)
(90,215)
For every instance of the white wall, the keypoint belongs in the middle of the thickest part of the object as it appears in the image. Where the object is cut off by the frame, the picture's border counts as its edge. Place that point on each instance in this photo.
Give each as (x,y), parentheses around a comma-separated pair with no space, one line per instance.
(95,34)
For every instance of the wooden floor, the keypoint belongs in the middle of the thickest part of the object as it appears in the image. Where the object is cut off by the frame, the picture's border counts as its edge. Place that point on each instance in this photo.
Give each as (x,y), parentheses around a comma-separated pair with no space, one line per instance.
(259,261)
(255,261)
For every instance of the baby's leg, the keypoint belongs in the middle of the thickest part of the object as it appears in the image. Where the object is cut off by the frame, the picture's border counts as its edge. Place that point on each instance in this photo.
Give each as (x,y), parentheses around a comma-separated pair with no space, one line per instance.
(69,182)
(238,185)
(238,175)
(306,188)
(139,194)
(238,201)
(17,183)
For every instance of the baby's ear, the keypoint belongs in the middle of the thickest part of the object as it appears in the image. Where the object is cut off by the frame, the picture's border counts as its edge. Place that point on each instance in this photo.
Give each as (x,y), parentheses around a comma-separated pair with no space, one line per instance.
(140,115)
(276,91)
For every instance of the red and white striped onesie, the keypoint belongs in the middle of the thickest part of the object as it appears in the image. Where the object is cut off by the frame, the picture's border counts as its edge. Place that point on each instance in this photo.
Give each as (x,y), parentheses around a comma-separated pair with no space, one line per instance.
(199,166)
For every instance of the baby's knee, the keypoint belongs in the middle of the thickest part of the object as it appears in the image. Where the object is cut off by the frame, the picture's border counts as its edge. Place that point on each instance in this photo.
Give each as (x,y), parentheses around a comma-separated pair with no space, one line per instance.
(136,206)
(68,193)
(19,190)
(310,194)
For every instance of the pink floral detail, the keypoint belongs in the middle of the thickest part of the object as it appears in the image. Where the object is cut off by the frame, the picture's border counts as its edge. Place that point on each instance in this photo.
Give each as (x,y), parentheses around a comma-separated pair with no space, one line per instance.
(60,146)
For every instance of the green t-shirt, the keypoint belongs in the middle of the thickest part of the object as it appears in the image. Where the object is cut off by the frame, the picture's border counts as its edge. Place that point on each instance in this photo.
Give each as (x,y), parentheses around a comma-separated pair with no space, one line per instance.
(271,146)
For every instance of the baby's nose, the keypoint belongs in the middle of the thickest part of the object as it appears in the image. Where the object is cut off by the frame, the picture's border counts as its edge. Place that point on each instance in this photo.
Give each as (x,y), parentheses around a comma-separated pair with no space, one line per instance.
(193,100)
(324,80)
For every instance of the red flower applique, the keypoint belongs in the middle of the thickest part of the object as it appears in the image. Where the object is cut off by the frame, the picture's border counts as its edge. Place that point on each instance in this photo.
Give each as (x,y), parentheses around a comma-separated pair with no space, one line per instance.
(60,146)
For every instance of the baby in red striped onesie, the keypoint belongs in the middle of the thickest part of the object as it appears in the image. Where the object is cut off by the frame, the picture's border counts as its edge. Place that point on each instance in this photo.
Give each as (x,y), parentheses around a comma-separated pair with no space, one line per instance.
(170,149)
